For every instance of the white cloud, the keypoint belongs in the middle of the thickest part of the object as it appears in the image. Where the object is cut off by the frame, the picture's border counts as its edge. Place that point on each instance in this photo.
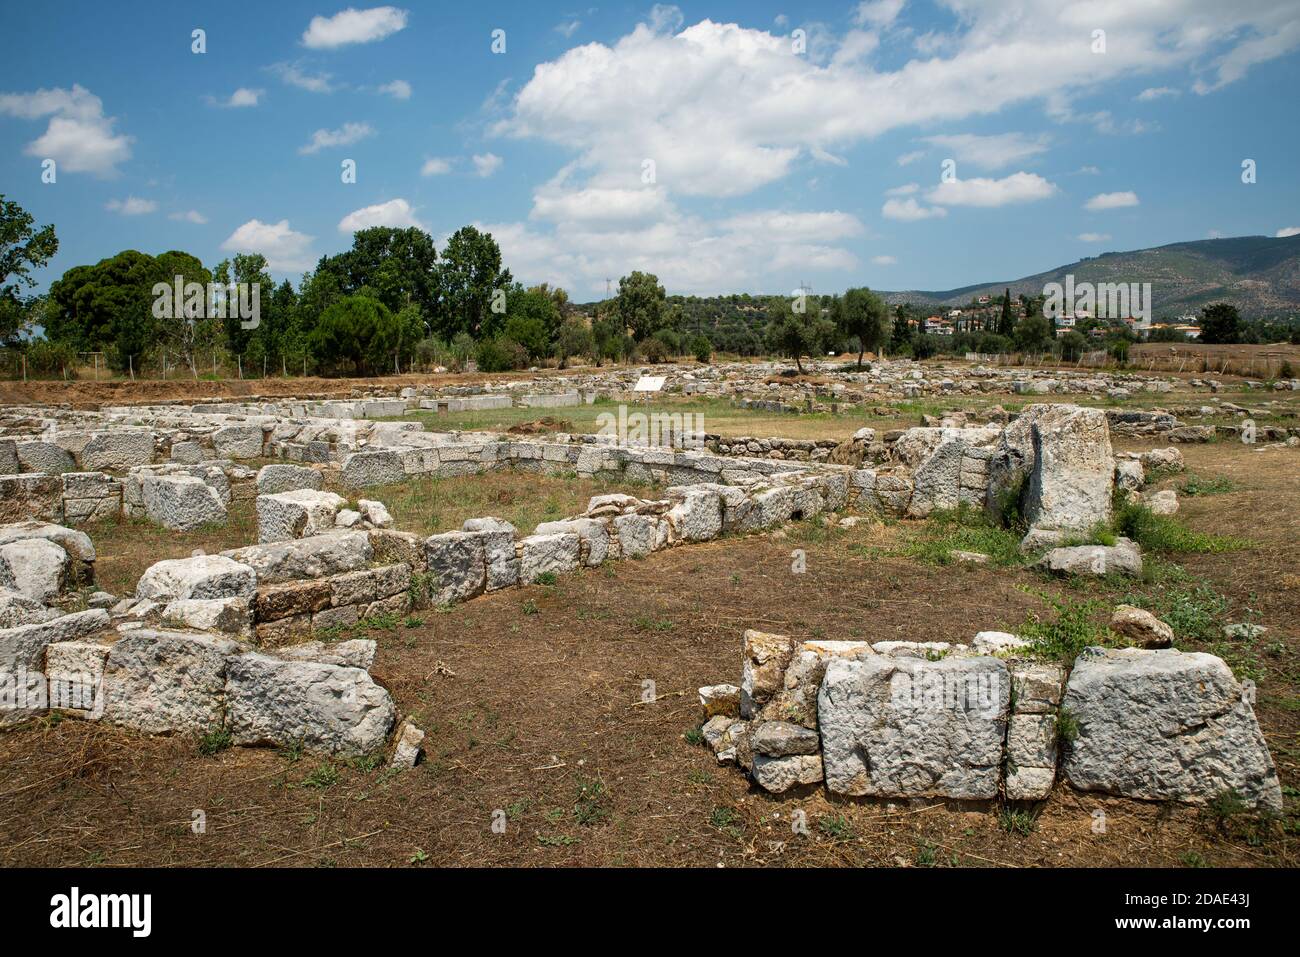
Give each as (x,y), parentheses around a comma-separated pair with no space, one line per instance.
(597,205)
(990,152)
(485,164)
(907,189)
(1017,188)
(345,135)
(189,216)
(131,206)
(884,260)
(1155,93)
(568,28)
(398,89)
(435,166)
(1093,237)
(295,75)
(909,210)
(1087,171)
(1111,201)
(877,13)
(242,97)
(353,26)
(1287,231)
(396,213)
(666,18)
(79,137)
(285,250)
(907,159)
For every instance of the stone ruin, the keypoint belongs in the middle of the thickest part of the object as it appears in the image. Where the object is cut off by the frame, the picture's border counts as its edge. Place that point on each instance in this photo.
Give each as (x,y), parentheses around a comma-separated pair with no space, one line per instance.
(237,642)
(988,720)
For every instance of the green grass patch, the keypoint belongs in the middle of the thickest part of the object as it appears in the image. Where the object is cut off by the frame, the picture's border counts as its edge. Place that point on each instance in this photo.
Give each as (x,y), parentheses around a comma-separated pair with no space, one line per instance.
(1215,485)
(963,529)
(1072,631)
(1160,533)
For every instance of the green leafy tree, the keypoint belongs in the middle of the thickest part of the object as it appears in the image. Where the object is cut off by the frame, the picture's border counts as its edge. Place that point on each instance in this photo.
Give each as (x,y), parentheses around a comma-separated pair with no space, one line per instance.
(108,307)
(701,348)
(794,334)
(245,269)
(1033,333)
(863,315)
(574,339)
(640,304)
(1220,323)
(400,265)
(470,274)
(1006,325)
(1072,346)
(355,329)
(22,249)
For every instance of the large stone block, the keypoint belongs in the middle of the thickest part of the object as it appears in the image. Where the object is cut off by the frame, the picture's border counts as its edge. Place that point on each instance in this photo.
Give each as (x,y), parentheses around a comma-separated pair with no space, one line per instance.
(35,567)
(377,467)
(908,727)
(181,502)
(543,554)
(166,682)
(283,477)
(324,708)
(498,538)
(306,558)
(1165,725)
(456,567)
(202,576)
(117,451)
(298,514)
(238,441)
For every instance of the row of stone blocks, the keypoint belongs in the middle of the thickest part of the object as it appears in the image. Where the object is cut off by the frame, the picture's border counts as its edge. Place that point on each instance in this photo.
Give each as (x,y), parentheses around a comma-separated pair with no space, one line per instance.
(935,720)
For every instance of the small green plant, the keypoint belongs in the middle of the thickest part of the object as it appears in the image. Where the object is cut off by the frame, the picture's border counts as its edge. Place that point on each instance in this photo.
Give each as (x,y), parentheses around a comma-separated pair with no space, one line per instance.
(1160,533)
(1225,807)
(1073,630)
(1016,821)
(368,762)
(836,827)
(555,840)
(1194,859)
(413,622)
(324,775)
(1217,485)
(727,821)
(546,578)
(530,607)
(590,801)
(1067,727)
(214,741)
(419,857)
(927,855)
(694,735)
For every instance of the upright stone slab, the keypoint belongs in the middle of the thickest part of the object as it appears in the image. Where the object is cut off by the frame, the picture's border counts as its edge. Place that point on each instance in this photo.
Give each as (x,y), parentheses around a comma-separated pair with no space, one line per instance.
(908,727)
(1166,726)
(181,502)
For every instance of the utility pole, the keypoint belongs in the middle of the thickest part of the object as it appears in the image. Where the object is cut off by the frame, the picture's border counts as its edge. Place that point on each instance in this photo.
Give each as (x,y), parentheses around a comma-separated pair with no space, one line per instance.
(607,282)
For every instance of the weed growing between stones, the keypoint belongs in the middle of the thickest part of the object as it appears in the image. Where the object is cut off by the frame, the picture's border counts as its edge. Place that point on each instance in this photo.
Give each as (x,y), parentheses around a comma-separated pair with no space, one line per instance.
(1017,821)
(1160,533)
(215,741)
(1074,630)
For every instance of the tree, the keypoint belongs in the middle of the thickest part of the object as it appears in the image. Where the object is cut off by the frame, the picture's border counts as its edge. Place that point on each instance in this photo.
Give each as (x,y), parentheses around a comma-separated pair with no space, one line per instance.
(347,330)
(900,336)
(246,269)
(186,334)
(640,304)
(862,315)
(22,249)
(608,331)
(534,317)
(1072,345)
(1220,322)
(1006,325)
(1033,333)
(795,334)
(701,348)
(470,273)
(574,339)
(109,307)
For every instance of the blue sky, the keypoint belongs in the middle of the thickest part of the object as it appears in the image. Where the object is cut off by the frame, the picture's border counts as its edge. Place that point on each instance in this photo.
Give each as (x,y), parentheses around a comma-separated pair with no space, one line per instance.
(709,143)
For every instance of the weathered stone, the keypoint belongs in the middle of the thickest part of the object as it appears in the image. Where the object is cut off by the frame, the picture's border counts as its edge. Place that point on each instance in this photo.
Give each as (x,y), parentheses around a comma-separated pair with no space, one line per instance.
(1122,558)
(592,534)
(780,739)
(636,534)
(997,643)
(1165,725)
(407,750)
(353,653)
(765,658)
(781,774)
(376,467)
(375,513)
(181,502)
(291,598)
(720,700)
(74,671)
(324,708)
(117,451)
(369,585)
(18,609)
(36,456)
(297,514)
(1164,502)
(697,514)
(238,441)
(35,567)
(203,576)
(283,477)
(547,554)
(1036,686)
(498,537)
(456,566)
(316,557)
(232,615)
(22,647)
(76,544)
(166,682)
(1144,628)
(907,727)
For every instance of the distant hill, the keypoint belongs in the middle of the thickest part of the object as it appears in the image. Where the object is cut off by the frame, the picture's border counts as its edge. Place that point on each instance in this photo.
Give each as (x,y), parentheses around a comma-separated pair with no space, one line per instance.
(1259,274)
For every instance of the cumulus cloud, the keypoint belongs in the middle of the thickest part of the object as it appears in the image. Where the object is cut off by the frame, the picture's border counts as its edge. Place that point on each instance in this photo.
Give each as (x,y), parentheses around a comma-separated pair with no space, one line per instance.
(907,159)
(345,135)
(1111,201)
(909,210)
(398,89)
(396,213)
(877,13)
(131,206)
(1017,188)
(294,75)
(242,97)
(990,152)
(79,137)
(189,216)
(353,26)
(435,166)
(1094,237)
(1286,231)
(285,249)
(485,164)
(884,260)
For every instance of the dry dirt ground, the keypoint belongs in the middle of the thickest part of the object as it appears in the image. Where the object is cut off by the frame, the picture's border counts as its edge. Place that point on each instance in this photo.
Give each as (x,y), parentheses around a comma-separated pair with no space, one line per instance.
(533,703)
